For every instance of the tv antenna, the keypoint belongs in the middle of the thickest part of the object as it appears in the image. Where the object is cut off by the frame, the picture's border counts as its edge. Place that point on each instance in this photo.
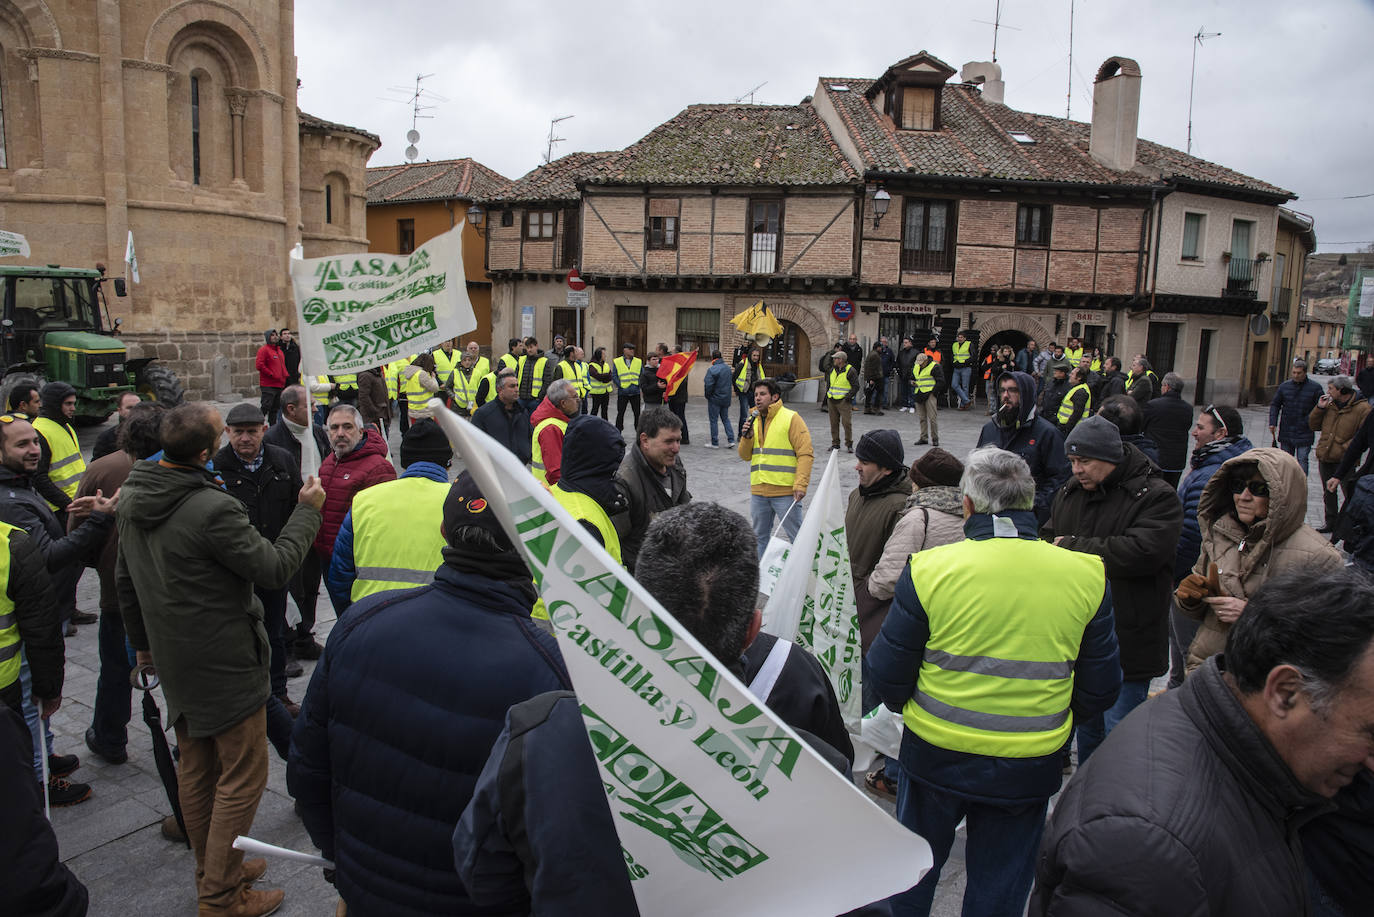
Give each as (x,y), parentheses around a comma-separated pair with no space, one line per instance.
(1198,39)
(553,122)
(750,94)
(1068,96)
(996,25)
(416,98)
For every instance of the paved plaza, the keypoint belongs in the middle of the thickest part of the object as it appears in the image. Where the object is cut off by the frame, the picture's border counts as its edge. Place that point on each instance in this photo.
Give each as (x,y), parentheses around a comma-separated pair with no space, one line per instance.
(113,843)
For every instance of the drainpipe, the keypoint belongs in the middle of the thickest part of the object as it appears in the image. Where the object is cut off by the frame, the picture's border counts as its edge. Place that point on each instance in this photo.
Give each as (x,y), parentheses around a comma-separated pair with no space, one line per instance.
(1156,195)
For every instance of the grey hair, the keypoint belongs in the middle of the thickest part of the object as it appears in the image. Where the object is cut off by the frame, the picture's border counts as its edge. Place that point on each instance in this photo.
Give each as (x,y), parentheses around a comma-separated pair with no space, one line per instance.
(1343,384)
(345,406)
(1300,362)
(1175,382)
(293,394)
(997,481)
(560,389)
(1321,694)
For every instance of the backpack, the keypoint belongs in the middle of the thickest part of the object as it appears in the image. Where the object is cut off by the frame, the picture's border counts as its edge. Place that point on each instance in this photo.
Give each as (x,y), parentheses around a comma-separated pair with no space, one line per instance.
(1356,523)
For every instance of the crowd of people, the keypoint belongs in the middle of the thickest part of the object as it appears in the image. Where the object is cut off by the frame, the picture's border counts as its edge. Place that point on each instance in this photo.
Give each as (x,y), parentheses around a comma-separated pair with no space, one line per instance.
(1015,605)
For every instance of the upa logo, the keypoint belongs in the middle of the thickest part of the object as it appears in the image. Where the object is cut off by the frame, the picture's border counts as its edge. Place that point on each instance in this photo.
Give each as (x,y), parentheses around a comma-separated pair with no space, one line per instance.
(315,311)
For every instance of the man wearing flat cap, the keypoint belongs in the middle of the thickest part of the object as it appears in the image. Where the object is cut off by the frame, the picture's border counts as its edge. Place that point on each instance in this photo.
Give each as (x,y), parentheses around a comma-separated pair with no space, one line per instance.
(1118,506)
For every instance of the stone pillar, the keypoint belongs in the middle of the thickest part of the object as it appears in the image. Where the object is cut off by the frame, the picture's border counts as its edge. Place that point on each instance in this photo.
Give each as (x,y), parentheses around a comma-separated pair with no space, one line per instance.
(112,131)
(238,104)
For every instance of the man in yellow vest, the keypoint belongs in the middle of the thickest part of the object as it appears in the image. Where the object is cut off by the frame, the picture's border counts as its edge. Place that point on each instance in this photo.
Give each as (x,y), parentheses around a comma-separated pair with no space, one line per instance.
(464,384)
(534,371)
(989,681)
(391,538)
(1077,402)
(777,445)
(511,359)
(445,362)
(841,381)
(1074,352)
(480,364)
(60,465)
(927,378)
(581,380)
(962,353)
(625,372)
(550,422)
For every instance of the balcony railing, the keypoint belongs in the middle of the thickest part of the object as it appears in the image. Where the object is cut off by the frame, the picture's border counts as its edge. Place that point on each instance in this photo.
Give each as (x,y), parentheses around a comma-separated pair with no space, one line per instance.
(1241,274)
(1281,310)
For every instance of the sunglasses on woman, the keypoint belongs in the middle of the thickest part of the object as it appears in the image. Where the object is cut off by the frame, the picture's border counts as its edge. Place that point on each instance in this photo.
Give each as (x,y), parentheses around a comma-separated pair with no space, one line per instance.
(1256,488)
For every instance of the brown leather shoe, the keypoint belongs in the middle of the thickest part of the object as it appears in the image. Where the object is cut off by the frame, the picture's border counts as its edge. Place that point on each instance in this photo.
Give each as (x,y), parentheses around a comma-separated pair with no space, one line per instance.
(291,706)
(253,869)
(251,902)
(171,830)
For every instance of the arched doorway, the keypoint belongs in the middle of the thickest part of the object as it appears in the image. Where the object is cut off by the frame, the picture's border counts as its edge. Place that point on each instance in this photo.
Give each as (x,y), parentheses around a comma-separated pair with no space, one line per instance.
(789,352)
(1010,337)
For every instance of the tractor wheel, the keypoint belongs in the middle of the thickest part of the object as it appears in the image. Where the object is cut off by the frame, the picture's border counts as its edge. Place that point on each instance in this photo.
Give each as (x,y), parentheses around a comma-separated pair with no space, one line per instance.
(158,383)
(11,382)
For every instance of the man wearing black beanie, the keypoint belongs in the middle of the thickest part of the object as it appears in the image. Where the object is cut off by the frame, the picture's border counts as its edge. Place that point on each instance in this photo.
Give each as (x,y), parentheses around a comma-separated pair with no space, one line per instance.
(874,507)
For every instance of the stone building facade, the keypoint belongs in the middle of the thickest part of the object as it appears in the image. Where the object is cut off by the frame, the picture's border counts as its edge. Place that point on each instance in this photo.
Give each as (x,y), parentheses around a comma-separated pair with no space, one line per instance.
(917,204)
(178,121)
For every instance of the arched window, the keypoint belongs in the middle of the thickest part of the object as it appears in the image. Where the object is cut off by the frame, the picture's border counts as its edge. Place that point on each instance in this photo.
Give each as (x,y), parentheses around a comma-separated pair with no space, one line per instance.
(195,130)
(328,203)
(214,112)
(336,204)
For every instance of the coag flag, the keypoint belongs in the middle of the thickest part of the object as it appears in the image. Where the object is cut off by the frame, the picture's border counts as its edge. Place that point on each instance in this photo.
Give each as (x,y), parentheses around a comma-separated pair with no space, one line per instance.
(674,368)
(131,258)
(12,244)
(720,807)
(363,309)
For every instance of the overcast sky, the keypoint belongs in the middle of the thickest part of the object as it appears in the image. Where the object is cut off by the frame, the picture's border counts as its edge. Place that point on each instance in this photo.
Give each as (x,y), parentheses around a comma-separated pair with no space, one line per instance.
(1283,94)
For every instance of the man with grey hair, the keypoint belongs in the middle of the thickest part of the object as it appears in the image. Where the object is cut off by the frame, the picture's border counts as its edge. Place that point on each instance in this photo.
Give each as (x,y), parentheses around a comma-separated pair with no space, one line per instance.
(1288,413)
(357,461)
(550,421)
(989,682)
(1169,422)
(1338,416)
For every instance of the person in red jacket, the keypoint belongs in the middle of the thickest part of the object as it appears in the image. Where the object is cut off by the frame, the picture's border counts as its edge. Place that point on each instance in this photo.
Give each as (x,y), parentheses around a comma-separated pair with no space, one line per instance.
(271,364)
(357,461)
(560,405)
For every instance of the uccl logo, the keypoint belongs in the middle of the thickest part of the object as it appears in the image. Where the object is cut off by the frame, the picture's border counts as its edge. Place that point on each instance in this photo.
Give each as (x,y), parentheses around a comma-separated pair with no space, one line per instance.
(315,311)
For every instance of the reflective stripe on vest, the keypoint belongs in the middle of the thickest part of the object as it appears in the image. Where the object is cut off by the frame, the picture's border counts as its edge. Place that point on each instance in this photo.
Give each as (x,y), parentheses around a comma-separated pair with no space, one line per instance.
(445,364)
(536,380)
(480,367)
(10,644)
(490,380)
(537,454)
(1073,355)
(627,374)
(1096,365)
(396,539)
(583,508)
(580,378)
(773,461)
(961,353)
(598,386)
(417,396)
(742,377)
(321,397)
(465,388)
(348,382)
(67,467)
(839,385)
(997,675)
(1066,406)
(924,377)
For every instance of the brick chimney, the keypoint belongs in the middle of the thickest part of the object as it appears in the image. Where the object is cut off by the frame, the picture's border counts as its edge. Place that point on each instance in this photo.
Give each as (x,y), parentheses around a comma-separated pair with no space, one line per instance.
(1116,113)
(988,75)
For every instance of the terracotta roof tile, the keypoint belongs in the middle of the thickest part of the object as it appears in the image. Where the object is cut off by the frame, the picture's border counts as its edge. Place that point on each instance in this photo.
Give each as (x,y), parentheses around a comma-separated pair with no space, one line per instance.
(312,123)
(554,181)
(447,179)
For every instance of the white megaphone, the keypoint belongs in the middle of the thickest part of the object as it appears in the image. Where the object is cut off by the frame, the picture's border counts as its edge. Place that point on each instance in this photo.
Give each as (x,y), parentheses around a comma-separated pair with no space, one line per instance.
(762,339)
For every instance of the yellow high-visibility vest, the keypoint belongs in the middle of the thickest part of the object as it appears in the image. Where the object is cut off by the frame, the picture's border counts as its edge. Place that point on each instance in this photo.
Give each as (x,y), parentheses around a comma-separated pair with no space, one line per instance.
(509,361)
(396,539)
(417,396)
(480,367)
(321,397)
(536,379)
(961,352)
(627,374)
(347,382)
(742,377)
(583,508)
(1066,406)
(924,377)
(10,644)
(1073,355)
(67,466)
(997,676)
(445,364)
(598,386)
(839,385)
(465,388)
(537,454)
(773,460)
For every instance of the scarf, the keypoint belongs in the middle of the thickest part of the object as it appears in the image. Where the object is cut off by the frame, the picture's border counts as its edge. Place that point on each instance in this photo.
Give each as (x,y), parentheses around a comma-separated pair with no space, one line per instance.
(1202,453)
(507,567)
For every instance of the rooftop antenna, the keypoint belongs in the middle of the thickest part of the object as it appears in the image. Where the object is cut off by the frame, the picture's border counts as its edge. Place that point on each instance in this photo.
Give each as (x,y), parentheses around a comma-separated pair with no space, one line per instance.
(548,155)
(1068,96)
(1198,39)
(996,25)
(414,98)
(750,94)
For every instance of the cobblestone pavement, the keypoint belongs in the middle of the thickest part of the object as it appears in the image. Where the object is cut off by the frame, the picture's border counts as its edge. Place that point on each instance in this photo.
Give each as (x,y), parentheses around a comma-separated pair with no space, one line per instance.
(112,842)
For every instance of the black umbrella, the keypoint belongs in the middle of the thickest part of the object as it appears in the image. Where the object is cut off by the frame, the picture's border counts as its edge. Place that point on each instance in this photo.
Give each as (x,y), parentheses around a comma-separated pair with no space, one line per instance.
(144,678)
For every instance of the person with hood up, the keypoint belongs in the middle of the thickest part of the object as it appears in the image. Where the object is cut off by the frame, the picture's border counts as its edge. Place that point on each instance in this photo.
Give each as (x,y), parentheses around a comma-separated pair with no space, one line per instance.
(1017,428)
(60,465)
(272,373)
(358,461)
(394,731)
(188,561)
(1250,517)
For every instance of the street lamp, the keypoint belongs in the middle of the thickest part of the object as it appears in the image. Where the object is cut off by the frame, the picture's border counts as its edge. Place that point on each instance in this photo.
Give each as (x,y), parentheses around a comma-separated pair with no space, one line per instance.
(475,218)
(881,200)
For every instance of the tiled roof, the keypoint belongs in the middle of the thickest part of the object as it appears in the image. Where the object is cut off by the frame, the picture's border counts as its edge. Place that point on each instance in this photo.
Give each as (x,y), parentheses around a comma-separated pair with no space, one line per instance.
(447,179)
(555,181)
(975,142)
(736,145)
(312,123)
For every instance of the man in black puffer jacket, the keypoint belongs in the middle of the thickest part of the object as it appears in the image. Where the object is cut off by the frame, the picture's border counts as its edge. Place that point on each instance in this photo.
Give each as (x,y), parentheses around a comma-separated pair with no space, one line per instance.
(1017,428)
(1118,507)
(1168,421)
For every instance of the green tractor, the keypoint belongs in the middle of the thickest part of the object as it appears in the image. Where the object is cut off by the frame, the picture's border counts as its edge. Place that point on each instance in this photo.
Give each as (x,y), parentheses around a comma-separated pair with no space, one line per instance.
(52,329)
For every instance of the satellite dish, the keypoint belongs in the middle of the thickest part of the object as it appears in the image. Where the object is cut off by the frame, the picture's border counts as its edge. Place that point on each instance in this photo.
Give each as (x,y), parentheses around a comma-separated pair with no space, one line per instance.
(412,152)
(413,136)
(1259,325)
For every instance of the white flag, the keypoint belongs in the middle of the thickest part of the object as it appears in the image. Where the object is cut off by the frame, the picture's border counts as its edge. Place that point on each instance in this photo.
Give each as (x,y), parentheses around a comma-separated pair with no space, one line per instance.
(720,807)
(363,309)
(12,244)
(812,602)
(131,258)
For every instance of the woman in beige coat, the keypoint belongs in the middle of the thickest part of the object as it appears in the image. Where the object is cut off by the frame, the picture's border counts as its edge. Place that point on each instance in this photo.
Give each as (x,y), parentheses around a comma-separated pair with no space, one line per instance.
(934,515)
(1251,519)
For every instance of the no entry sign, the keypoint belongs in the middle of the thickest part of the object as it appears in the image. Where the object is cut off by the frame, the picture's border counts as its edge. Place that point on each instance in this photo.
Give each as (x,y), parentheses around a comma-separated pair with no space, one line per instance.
(575,281)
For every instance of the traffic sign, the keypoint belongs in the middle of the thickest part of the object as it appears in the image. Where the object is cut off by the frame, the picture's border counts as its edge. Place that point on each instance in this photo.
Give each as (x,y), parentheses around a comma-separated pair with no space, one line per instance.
(575,281)
(842,309)
(579,299)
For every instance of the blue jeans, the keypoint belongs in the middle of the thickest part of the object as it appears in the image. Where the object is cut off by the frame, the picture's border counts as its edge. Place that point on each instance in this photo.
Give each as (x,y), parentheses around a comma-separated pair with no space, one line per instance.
(1301,453)
(31,717)
(716,412)
(1095,729)
(113,693)
(962,375)
(999,857)
(746,404)
(764,510)
(882,392)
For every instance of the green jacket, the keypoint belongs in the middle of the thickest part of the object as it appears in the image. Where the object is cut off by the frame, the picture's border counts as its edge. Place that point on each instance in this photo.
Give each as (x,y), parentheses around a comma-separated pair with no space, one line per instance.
(188,561)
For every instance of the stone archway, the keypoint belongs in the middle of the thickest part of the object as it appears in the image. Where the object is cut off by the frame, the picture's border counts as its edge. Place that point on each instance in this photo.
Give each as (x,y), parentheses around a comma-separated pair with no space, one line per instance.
(803,318)
(1029,325)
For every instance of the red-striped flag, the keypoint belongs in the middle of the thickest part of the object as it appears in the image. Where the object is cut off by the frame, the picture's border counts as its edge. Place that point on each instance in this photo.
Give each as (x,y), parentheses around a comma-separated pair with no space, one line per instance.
(674,368)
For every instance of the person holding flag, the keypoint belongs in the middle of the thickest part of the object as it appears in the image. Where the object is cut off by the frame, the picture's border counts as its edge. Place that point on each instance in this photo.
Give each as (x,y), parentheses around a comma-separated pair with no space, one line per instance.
(673,369)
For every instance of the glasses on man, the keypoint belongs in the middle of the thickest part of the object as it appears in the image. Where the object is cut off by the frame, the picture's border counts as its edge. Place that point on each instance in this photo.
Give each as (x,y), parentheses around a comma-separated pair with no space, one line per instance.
(1256,488)
(1211,410)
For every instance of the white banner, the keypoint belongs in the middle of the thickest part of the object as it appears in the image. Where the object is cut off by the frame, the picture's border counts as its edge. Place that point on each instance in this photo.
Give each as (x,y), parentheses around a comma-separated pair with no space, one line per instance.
(811,598)
(1366,308)
(12,244)
(131,258)
(363,309)
(720,807)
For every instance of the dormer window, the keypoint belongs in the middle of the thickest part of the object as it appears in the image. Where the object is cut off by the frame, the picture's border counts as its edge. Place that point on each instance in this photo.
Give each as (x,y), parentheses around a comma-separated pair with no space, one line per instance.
(910,92)
(918,107)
